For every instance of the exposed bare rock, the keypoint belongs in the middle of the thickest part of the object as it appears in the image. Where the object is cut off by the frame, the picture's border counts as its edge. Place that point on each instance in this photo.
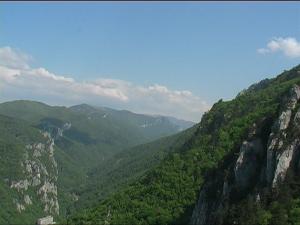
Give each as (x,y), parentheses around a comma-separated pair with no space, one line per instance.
(19,185)
(283,162)
(248,162)
(27,200)
(67,126)
(38,174)
(200,213)
(278,136)
(20,207)
(258,165)
(48,220)
(284,119)
(297,118)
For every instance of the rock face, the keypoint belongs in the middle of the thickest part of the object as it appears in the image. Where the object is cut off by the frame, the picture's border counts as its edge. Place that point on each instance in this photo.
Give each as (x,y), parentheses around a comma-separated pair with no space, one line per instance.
(280,150)
(48,220)
(258,165)
(205,210)
(40,173)
(248,162)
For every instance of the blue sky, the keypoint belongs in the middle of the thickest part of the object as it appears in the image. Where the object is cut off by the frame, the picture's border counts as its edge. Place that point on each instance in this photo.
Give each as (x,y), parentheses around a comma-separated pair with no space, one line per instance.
(207,49)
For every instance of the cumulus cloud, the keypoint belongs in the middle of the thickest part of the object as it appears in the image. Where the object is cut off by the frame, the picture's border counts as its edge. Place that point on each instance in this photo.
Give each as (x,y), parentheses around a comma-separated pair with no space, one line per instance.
(18,81)
(289,46)
(14,58)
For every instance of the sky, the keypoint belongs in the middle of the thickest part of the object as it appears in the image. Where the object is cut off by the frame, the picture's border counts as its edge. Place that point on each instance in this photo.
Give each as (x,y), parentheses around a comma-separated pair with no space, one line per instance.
(169,58)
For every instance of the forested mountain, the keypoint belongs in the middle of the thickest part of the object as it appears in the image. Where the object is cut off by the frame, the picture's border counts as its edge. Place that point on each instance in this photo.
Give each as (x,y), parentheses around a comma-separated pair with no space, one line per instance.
(28,171)
(239,165)
(126,166)
(47,153)
(95,165)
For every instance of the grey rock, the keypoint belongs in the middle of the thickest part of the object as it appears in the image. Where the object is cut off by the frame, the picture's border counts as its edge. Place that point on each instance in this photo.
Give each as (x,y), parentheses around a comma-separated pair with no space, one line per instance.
(297,118)
(275,159)
(248,162)
(27,200)
(20,207)
(283,161)
(36,172)
(19,185)
(48,220)
(278,135)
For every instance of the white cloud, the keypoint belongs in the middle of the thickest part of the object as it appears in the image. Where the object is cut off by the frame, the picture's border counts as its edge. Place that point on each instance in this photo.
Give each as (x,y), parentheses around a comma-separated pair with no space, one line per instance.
(43,73)
(289,46)
(8,74)
(18,81)
(14,58)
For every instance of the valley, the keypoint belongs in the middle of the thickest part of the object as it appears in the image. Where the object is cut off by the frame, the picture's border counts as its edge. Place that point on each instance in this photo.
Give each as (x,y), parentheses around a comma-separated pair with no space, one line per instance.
(240,165)
(149,113)
(90,165)
(65,145)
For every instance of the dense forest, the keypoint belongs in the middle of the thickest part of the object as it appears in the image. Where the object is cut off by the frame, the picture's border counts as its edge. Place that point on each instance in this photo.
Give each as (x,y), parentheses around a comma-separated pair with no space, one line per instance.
(48,154)
(88,165)
(167,194)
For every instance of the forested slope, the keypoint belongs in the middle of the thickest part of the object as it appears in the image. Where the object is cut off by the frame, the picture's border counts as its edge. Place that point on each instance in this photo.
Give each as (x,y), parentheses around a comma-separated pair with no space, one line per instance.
(169,193)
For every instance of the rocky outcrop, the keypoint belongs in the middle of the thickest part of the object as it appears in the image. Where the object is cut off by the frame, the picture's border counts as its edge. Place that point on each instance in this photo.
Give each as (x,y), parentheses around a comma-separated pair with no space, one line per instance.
(27,200)
(205,211)
(280,150)
(215,193)
(55,131)
(39,169)
(48,220)
(258,165)
(48,195)
(40,172)
(248,162)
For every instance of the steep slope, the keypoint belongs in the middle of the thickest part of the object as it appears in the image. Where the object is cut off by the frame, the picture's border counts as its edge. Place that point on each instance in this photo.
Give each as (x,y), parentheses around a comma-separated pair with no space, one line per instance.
(28,173)
(266,156)
(73,144)
(91,135)
(94,134)
(127,166)
(215,153)
(151,127)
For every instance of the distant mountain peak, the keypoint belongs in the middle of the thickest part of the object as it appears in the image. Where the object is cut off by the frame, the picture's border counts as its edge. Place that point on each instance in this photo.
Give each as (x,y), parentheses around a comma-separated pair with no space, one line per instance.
(82,108)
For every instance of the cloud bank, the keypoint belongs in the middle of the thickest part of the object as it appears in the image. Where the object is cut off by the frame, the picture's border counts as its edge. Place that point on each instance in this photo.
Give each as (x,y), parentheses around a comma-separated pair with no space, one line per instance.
(288,46)
(19,81)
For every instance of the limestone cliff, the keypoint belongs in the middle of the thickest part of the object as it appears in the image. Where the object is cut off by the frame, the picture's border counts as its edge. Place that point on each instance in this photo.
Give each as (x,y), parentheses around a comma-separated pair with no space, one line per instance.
(39,174)
(270,150)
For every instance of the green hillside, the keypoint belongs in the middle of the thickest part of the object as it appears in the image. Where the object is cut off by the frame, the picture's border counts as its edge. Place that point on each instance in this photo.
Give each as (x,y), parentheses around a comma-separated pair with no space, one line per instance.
(93,165)
(15,135)
(83,139)
(91,137)
(127,166)
(168,193)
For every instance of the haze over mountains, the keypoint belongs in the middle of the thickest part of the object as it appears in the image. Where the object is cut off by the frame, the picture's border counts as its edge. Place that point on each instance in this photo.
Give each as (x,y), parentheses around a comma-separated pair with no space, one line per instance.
(137,113)
(239,165)
(93,165)
(76,140)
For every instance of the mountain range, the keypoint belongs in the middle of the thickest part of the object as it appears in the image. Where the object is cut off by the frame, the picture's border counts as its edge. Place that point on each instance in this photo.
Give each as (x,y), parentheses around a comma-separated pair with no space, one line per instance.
(93,165)
(239,165)
(48,152)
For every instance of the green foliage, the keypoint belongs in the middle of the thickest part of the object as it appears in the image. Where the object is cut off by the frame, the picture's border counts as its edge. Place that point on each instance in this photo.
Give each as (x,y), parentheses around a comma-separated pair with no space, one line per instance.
(277,212)
(89,142)
(15,134)
(125,167)
(294,213)
(167,193)
(154,183)
(96,134)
